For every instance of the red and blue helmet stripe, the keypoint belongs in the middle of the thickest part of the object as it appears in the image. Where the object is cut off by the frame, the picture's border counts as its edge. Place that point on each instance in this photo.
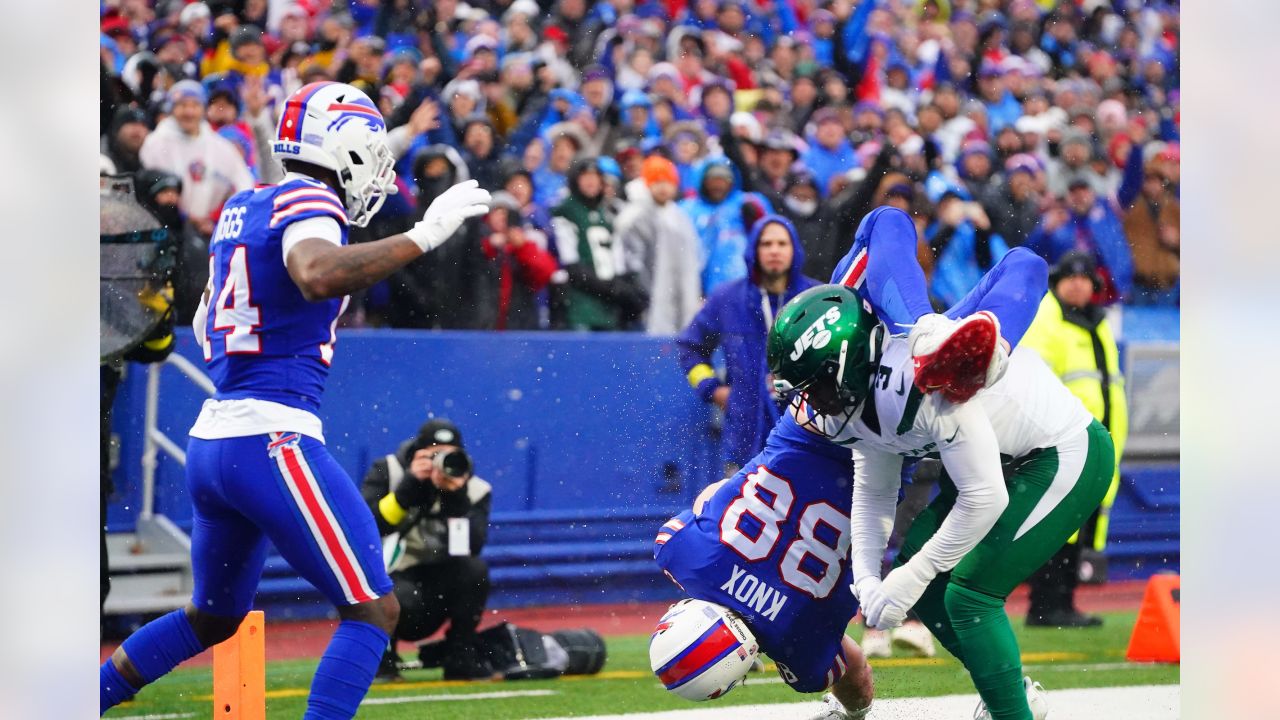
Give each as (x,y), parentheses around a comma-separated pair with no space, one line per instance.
(295,111)
(710,648)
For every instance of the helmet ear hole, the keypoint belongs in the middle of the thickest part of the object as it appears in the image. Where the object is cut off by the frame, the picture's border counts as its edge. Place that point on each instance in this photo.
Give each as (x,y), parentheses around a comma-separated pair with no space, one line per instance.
(355,159)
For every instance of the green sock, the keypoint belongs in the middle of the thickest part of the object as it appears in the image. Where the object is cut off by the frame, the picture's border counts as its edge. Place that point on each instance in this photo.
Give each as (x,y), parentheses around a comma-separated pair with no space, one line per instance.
(990,651)
(932,611)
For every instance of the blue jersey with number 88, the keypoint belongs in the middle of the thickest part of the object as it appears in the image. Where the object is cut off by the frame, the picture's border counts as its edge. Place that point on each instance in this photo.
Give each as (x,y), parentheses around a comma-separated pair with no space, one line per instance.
(772,544)
(263,339)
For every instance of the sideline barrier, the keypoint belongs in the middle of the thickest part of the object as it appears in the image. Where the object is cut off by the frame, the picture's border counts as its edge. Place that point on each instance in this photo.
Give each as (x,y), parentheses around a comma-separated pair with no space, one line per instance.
(240,672)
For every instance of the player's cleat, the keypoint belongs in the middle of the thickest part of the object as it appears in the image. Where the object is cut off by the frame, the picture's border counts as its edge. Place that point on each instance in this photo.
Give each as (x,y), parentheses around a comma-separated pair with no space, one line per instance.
(915,639)
(1063,619)
(957,358)
(832,709)
(876,644)
(1037,699)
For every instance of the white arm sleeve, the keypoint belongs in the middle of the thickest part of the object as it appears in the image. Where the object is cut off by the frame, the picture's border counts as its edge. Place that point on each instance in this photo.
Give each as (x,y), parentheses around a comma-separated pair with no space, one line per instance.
(321,227)
(972,460)
(877,475)
(198,322)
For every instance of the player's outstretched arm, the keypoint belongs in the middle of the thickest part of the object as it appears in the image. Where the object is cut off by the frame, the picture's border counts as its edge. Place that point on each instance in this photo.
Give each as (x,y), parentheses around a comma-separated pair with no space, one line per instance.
(971,454)
(877,476)
(323,270)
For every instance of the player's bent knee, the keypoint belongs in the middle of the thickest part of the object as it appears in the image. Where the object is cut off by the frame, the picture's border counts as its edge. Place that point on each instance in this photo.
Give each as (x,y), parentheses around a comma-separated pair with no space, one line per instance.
(383,612)
(212,629)
(1028,263)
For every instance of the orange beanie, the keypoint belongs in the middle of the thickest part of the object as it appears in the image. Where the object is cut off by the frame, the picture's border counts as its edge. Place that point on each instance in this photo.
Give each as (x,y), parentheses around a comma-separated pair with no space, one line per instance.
(658,169)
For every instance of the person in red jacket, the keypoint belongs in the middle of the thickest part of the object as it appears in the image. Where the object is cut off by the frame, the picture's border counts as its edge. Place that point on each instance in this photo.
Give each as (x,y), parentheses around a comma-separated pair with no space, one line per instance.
(518,269)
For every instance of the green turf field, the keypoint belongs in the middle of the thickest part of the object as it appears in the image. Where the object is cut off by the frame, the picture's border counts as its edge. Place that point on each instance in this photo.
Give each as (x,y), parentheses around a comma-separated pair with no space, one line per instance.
(1056,658)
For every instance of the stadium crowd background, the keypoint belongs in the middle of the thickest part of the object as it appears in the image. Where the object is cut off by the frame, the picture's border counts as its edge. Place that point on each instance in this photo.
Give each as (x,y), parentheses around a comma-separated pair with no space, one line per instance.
(995,123)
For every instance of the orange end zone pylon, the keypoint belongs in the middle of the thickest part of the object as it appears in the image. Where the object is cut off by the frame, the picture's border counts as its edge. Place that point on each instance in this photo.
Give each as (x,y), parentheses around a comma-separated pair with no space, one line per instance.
(240,672)
(1156,634)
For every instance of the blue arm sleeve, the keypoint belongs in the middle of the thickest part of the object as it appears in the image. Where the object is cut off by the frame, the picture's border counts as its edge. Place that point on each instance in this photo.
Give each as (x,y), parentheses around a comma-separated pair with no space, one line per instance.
(697,342)
(1131,183)
(855,33)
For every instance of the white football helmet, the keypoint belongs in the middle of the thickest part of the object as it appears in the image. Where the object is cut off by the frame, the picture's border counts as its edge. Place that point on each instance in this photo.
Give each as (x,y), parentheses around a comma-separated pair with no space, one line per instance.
(701,650)
(336,126)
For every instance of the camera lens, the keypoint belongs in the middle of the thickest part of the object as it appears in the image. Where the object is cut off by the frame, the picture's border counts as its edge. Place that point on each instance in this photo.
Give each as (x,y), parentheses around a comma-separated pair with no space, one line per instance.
(454,463)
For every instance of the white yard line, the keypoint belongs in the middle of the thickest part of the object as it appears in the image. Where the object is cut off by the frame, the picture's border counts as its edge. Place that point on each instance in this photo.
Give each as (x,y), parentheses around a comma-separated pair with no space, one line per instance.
(445,697)
(1147,702)
(166,716)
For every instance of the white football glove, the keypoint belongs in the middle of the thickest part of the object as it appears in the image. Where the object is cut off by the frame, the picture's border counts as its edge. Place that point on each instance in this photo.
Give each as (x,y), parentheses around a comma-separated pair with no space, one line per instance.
(885,606)
(447,212)
(864,586)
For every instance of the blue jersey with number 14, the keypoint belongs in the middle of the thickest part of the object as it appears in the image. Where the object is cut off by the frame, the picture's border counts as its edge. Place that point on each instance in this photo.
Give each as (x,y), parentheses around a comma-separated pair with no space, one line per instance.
(772,544)
(264,340)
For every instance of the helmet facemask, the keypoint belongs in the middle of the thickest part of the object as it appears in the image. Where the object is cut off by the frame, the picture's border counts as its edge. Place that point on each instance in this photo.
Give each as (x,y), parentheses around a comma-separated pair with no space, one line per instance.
(834,391)
(366,173)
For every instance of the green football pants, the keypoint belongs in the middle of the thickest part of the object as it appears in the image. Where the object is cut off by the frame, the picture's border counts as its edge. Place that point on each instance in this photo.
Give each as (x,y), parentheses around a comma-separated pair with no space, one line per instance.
(1052,492)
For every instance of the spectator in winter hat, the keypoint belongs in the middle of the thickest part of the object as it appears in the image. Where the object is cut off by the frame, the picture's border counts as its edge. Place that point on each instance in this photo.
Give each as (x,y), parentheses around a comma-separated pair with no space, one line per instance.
(480,151)
(518,265)
(1092,225)
(974,168)
(830,152)
(963,244)
(804,99)
(1014,206)
(1002,107)
(210,167)
(223,114)
(129,129)
(601,294)
(661,247)
(1073,163)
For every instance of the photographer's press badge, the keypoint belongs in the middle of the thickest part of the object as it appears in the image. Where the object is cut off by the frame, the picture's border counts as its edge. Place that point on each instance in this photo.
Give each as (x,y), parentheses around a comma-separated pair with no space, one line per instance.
(459,537)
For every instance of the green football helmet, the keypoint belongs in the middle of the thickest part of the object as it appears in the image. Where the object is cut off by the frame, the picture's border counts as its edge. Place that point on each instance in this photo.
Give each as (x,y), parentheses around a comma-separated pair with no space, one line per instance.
(825,346)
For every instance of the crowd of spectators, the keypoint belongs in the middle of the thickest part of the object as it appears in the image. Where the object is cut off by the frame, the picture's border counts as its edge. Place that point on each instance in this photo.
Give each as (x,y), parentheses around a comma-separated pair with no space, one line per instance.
(632,144)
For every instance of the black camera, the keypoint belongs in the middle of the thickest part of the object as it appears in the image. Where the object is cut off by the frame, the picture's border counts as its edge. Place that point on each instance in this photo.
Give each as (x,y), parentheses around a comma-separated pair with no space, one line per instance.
(454,463)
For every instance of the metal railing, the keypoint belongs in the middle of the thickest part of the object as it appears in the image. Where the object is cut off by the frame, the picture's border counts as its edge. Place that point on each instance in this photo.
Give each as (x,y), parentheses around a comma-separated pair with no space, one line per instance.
(153,440)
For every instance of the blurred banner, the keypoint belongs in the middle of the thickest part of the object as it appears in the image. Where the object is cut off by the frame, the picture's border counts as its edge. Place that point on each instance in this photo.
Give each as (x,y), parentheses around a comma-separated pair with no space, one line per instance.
(1151,377)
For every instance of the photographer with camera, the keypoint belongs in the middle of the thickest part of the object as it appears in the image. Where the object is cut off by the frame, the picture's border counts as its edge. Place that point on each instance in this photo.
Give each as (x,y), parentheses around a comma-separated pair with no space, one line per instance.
(433,514)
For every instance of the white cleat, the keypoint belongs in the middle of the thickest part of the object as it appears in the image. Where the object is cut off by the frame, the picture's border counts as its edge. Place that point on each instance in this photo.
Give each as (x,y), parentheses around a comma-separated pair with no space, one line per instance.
(957,357)
(832,709)
(929,333)
(876,644)
(1037,698)
(914,639)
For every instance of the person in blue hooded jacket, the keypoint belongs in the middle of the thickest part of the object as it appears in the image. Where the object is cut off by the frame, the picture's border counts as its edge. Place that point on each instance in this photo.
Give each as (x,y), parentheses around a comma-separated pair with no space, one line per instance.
(717,214)
(963,245)
(737,318)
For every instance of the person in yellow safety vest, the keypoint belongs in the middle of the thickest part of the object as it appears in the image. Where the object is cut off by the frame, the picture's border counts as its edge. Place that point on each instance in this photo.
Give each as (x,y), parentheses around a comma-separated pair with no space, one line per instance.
(1072,334)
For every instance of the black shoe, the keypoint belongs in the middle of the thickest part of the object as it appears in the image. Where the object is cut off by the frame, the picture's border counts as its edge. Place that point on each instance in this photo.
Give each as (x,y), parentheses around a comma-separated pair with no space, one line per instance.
(465,662)
(1063,619)
(388,670)
(432,654)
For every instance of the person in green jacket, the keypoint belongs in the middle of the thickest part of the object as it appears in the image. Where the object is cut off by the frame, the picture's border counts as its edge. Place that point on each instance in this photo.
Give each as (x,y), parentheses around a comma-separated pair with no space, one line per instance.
(598,292)
(1073,336)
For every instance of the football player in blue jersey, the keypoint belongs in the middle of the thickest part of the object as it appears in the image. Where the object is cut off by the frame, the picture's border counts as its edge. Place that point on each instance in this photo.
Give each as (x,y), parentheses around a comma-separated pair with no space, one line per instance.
(765,555)
(257,467)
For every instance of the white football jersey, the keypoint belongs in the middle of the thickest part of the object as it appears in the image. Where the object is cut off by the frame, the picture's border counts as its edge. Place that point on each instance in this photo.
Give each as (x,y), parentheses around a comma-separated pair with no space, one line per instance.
(1028,408)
